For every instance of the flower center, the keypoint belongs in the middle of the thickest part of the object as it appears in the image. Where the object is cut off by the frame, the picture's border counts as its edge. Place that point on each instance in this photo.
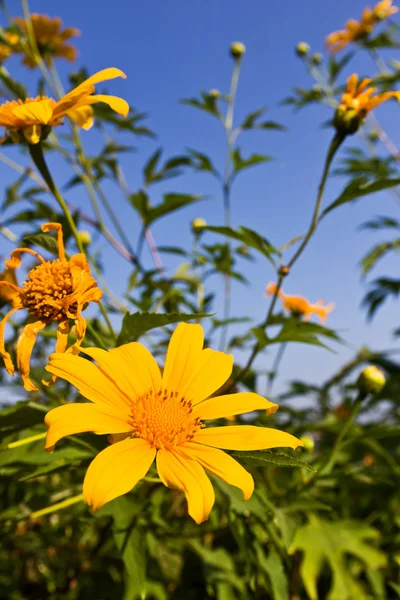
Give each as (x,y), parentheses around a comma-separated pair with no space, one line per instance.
(163,419)
(46,289)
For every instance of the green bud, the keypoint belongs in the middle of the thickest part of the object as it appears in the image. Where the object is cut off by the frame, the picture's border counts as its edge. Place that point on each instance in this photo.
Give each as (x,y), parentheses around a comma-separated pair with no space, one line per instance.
(317,58)
(84,237)
(308,442)
(198,225)
(237,50)
(214,93)
(347,120)
(371,380)
(302,49)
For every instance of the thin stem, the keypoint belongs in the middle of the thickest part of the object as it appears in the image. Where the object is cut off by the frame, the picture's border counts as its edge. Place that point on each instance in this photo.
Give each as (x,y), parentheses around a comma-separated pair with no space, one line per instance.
(34,48)
(226,191)
(275,367)
(55,507)
(333,148)
(36,152)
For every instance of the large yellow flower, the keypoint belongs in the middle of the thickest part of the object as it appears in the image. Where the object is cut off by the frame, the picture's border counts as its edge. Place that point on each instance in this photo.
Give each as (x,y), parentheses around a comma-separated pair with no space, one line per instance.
(358,30)
(300,306)
(50,39)
(150,416)
(32,119)
(355,104)
(54,291)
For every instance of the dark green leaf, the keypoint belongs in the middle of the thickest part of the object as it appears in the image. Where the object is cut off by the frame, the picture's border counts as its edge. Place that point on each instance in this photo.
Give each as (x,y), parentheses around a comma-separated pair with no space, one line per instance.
(248,237)
(136,324)
(241,163)
(261,458)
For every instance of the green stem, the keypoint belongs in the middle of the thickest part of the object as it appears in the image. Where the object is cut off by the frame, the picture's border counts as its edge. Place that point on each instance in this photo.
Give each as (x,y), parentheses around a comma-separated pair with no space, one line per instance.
(275,367)
(36,152)
(226,191)
(55,507)
(333,148)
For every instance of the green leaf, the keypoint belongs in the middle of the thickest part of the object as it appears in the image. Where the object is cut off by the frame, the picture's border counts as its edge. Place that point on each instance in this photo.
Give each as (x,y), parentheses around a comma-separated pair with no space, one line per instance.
(18,417)
(295,330)
(201,162)
(128,537)
(206,103)
(149,169)
(377,253)
(322,541)
(240,163)
(248,237)
(262,458)
(171,203)
(44,240)
(360,187)
(136,324)
(272,565)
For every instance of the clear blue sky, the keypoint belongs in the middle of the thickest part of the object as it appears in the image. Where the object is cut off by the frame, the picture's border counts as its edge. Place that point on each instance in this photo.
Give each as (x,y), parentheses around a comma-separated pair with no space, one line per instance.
(170,50)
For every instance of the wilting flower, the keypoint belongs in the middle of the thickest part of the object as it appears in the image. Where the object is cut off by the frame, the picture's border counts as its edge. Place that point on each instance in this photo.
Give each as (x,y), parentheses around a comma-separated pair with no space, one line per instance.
(54,291)
(359,30)
(7,48)
(150,416)
(300,306)
(355,104)
(32,119)
(50,39)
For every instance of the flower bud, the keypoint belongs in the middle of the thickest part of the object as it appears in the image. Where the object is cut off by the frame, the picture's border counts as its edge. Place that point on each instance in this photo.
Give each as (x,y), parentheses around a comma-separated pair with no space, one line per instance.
(237,50)
(198,225)
(84,237)
(302,49)
(317,58)
(347,120)
(214,93)
(308,442)
(371,380)
(283,271)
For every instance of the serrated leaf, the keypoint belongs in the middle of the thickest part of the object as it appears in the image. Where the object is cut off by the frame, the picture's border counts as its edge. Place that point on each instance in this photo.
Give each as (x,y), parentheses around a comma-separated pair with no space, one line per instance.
(171,203)
(44,240)
(358,188)
(240,163)
(322,541)
(136,324)
(262,458)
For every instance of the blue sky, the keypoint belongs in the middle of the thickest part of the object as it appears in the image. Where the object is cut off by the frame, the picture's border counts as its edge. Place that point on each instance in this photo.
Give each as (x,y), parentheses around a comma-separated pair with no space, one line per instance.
(171,50)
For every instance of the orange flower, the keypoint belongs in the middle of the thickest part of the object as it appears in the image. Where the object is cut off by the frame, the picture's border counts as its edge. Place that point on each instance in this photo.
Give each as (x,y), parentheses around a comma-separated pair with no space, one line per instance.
(357,101)
(150,417)
(358,30)
(50,39)
(54,291)
(32,119)
(300,306)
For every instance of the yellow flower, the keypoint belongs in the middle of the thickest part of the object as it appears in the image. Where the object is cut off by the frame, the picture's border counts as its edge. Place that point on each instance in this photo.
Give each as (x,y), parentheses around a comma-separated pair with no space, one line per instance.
(300,306)
(355,104)
(358,30)
(9,48)
(56,290)
(50,39)
(31,119)
(153,417)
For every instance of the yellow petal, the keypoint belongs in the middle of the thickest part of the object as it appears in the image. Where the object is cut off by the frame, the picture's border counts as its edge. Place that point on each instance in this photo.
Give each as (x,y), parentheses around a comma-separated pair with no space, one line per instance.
(213,369)
(103,75)
(3,353)
(116,470)
(183,354)
(117,104)
(188,476)
(131,366)
(89,380)
(61,344)
(40,111)
(233,404)
(82,116)
(25,344)
(221,465)
(78,418)
(246,437)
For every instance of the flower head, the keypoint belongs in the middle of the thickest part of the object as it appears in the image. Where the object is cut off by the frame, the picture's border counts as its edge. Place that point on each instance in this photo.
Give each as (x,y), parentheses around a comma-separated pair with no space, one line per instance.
(50,39)
(355,104)
(32,119)
(355,31)
(152,417)
(371,380)
(54,291)
(300,306)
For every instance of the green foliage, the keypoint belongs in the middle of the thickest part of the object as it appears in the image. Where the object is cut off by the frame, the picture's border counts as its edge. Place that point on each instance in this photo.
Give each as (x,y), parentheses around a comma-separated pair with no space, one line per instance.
(135,325)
